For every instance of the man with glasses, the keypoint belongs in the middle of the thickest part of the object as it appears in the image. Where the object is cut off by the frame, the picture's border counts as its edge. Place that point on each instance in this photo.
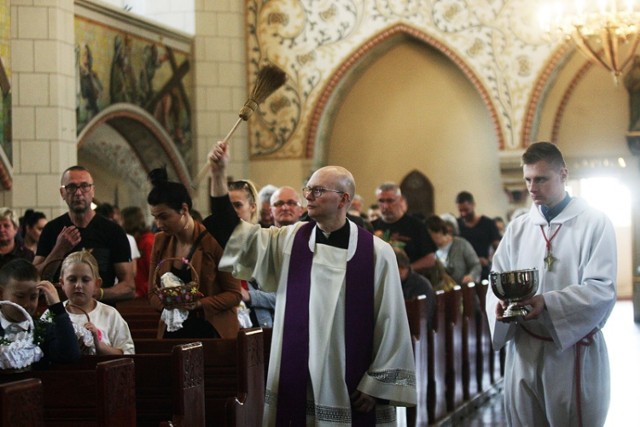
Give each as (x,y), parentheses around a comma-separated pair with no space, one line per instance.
(80,228)
(403,230)
(341,350)
(286,208)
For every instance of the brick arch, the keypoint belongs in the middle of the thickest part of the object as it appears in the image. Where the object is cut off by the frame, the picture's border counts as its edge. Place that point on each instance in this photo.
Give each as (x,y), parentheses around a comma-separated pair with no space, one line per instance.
(152,145)
(542,85)
(368,49)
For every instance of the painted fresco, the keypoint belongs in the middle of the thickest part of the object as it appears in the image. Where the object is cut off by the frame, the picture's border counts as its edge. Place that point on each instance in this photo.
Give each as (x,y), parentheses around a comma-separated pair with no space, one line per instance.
(114,66)
(497,44)
(5,79)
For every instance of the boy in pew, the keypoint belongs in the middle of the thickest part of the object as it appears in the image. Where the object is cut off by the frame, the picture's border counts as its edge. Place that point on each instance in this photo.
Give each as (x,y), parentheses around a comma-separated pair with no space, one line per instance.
(108,331)
(20,284)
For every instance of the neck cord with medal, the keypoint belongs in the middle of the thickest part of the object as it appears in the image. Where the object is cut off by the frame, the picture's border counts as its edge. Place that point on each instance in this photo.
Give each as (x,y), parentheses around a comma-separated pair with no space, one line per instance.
(549,214)
(549,259)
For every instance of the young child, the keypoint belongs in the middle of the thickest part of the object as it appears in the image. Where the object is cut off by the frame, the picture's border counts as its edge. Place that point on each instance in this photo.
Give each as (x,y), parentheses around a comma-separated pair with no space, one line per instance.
(79,276)
(20,284)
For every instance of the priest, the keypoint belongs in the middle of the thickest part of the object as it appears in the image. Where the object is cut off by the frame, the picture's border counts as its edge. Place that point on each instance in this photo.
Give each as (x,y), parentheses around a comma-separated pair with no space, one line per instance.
(341,351)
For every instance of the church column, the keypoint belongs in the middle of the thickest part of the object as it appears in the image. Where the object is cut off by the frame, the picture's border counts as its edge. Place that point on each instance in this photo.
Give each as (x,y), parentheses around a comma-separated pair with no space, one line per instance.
(43,85)
(220,85)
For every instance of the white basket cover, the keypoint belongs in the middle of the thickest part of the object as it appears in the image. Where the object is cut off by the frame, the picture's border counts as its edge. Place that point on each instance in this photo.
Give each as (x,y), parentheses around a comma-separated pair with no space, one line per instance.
(22,351)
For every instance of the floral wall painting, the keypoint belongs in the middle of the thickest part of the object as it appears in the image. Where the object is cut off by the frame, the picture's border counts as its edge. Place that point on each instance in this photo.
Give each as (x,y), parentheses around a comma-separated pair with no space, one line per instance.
(498,46)
(118,65)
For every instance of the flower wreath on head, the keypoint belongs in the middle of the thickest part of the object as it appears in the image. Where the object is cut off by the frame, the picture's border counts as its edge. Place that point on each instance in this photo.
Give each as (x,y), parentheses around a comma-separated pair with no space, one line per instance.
(21,350)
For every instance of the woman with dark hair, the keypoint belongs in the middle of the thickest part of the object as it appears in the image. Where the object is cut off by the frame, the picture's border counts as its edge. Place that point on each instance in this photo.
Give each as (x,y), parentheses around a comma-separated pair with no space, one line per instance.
(181,238)
(31,225)
(134,223)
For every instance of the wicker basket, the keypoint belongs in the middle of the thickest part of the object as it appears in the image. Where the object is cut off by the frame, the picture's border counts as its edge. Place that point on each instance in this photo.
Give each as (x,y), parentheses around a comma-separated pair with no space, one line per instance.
(177,296)
(21,353)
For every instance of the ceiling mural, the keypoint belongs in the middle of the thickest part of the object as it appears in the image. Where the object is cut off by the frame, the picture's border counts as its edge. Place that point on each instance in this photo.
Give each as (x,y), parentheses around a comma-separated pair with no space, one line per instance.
(310,40)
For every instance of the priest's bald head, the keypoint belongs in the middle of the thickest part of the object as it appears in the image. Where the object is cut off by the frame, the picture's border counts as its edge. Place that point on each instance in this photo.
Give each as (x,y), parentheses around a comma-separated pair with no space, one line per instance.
(329,192)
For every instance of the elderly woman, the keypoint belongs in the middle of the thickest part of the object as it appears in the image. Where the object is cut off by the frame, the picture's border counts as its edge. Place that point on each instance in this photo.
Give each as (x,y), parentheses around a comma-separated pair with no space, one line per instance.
(455,253)
(182,238)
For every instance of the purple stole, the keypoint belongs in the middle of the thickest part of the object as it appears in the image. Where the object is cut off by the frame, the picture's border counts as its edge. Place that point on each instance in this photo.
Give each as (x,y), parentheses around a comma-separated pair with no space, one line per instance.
(359,323)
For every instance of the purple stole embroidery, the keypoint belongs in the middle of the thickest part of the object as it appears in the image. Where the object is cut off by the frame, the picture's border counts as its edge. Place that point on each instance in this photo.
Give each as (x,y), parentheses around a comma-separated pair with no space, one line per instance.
(359,323)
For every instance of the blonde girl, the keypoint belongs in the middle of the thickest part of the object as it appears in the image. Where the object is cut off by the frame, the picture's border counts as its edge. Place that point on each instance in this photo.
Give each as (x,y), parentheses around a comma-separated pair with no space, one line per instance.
(80,279)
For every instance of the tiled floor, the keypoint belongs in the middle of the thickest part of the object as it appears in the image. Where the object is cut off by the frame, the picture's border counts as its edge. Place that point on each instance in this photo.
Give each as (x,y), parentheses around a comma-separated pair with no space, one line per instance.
(623,341)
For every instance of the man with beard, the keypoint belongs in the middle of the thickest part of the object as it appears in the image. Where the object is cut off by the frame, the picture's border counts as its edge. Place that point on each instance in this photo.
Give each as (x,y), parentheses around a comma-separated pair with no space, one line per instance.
(10,247)
(80,228)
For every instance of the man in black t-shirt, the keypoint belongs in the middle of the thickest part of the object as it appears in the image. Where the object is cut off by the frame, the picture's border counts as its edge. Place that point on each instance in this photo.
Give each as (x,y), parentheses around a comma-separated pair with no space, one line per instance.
(80,228)
(402,230)
(479,230)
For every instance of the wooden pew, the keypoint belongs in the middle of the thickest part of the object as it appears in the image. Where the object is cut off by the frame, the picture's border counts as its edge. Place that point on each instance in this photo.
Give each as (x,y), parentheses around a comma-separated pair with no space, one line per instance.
(472,374)
(233,376)
(169,386)
(140,316)
(21,403)
(417,310)
(492,370)
(102,394)
(457,360)
(437,368)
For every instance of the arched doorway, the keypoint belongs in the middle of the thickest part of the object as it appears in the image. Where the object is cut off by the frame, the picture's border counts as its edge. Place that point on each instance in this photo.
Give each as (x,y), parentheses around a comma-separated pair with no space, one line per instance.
(120,146)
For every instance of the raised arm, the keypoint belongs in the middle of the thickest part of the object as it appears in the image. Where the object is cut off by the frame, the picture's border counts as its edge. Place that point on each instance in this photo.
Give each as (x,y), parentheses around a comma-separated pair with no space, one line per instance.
(223,219)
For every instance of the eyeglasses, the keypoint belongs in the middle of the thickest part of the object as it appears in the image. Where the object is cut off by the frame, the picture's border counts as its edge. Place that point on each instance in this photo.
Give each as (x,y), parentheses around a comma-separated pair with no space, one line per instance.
(281,203)
(318,191)
(72,188)
(386,201)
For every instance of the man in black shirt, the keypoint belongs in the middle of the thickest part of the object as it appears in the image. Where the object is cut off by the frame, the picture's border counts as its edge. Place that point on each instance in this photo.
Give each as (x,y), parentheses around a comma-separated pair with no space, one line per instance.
(80,228)
(402,230)
(479,230)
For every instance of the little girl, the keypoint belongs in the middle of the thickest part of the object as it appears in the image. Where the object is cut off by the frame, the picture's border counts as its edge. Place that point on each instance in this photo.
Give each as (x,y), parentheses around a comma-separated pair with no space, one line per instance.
(79,276)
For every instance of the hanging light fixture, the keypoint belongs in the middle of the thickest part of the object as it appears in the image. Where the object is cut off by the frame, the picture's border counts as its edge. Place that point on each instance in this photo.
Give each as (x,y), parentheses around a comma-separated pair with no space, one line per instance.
(606,31)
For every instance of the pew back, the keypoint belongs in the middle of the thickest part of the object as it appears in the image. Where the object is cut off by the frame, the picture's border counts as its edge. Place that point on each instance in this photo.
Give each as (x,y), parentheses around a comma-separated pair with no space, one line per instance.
(233,376)
(21,403)
(168,385)
(101,394)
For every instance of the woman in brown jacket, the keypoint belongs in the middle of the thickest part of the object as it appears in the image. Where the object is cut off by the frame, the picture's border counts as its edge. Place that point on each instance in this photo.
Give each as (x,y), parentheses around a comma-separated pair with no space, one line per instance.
(180,236)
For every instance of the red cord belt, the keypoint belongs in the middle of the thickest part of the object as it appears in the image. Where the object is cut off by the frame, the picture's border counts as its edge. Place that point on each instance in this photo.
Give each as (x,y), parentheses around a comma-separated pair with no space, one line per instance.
(585,341)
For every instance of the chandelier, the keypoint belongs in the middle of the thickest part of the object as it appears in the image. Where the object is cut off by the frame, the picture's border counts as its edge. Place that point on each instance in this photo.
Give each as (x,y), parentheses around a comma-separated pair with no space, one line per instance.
(606,31)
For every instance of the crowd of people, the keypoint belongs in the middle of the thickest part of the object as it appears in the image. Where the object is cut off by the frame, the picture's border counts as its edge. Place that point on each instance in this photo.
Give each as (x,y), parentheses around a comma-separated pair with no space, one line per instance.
(329,279)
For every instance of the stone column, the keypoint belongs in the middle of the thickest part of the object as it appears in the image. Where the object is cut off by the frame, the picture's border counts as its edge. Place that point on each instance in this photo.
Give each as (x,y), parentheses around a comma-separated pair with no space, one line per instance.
(44,116)
(220,85)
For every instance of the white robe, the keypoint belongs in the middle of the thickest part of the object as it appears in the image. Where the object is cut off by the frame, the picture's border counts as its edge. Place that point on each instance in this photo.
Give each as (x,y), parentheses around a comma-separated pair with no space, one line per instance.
(579,293)
(265,254)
